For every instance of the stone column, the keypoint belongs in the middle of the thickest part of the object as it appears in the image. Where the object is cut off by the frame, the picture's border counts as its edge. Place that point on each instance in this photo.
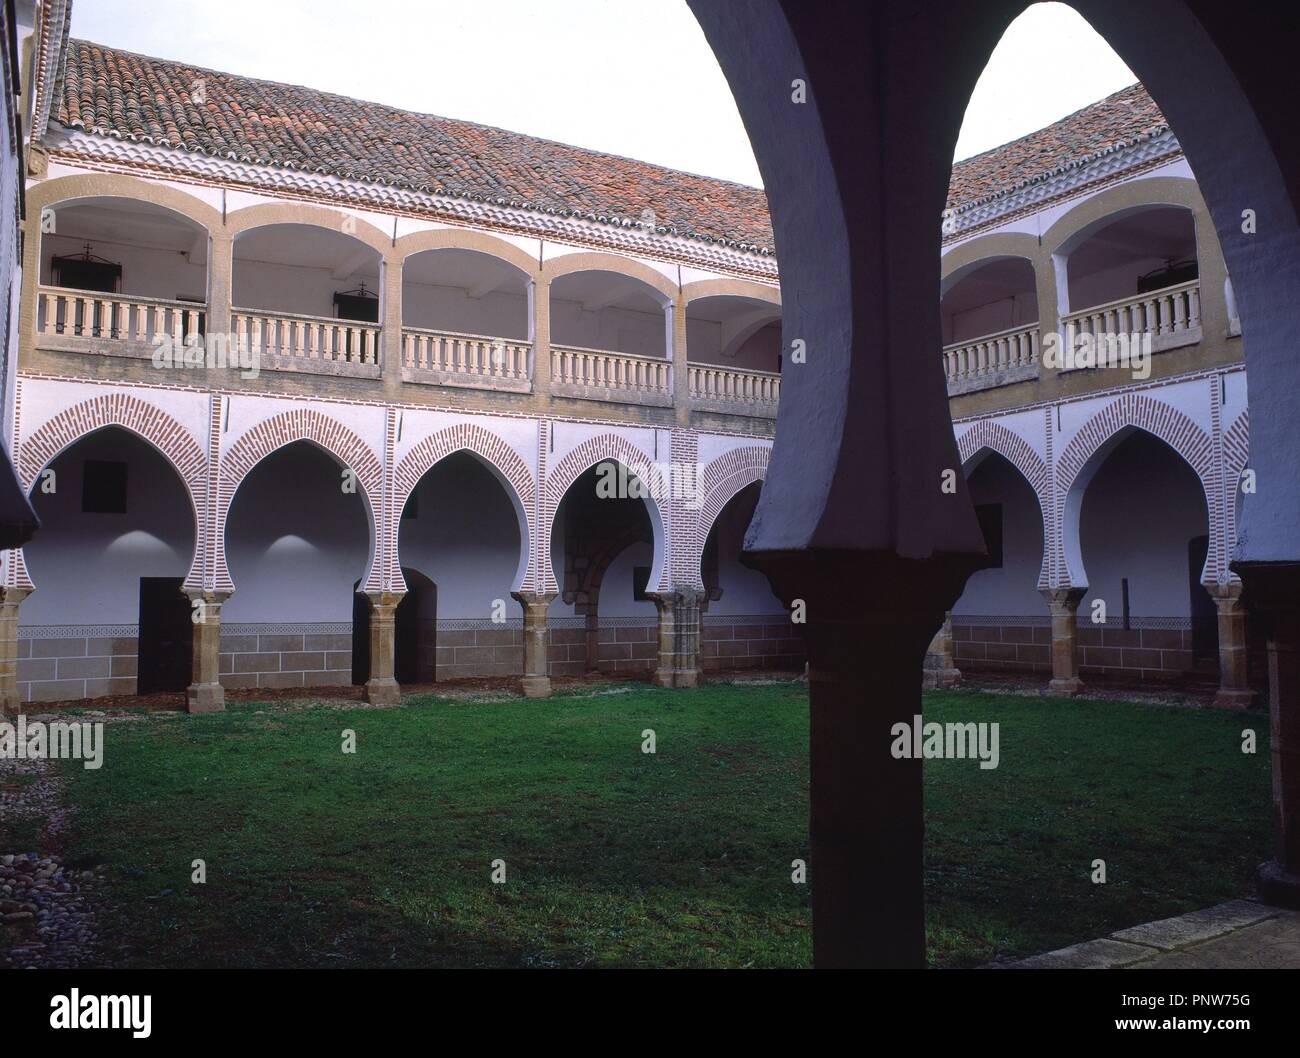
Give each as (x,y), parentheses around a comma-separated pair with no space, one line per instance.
(679,638)
(390,317)
(1064,606)
(940,670)
(382,688)
(539,326)
(678,351)
(10,600)
(1272,590)
(221,265)
(537,661)
(205,693)
(866,824)
(1234,686)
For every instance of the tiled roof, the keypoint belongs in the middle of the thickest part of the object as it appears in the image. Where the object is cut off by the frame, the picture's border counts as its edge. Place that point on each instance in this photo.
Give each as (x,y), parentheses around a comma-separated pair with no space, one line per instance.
(118,93)
(1118,120)
(134,97)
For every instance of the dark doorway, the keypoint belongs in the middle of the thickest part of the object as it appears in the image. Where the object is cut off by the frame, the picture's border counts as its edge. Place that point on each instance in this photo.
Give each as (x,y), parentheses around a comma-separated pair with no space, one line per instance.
(1205,615)
(166,636)
(360,636)
(414,632)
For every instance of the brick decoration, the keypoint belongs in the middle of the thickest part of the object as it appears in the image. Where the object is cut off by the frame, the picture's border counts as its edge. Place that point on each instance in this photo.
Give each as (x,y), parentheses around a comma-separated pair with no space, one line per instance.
(1021,455)
(271,434)
(145,420)
(584,456)
(1145,413)
(1236,453)
(489,447)
(721,480)
(1008,444)
(682,568)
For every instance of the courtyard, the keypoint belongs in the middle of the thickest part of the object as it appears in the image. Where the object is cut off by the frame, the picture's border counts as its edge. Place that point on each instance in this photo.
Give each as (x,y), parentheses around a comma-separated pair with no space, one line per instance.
(604,854)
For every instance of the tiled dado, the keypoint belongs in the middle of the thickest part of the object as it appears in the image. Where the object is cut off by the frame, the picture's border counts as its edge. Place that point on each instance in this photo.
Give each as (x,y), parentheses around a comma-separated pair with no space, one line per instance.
(750,642)
(270,656)
(54,666)
(1151,649)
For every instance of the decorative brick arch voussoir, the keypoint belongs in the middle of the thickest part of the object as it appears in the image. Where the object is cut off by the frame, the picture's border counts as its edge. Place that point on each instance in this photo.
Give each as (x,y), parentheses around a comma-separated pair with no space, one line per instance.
(146,420)
(1011,446)
(1236,448)
(1146,413)
(492,449)
(271,434)
(722,479)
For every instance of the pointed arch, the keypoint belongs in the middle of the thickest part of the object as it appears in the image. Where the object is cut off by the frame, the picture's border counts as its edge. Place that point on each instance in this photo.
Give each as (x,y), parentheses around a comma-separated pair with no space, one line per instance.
(500,458)
(272,434)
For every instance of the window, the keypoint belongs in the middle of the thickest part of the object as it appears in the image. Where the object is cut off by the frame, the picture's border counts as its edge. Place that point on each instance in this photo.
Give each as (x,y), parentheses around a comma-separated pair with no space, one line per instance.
(86,273)
(103,487)
(990,519)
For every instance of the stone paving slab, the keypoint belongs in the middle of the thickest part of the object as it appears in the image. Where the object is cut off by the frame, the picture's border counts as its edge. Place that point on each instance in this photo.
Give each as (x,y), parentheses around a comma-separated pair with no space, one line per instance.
(1273,944)
(1090,955)
(1239,934)
(1170,933)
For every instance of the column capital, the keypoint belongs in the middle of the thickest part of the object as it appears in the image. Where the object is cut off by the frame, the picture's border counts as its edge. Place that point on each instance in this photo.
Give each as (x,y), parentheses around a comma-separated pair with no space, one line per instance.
(1063,598)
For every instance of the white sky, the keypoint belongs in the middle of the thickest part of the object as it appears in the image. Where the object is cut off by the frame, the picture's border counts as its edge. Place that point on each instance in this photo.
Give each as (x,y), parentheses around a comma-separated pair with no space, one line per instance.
(630,78)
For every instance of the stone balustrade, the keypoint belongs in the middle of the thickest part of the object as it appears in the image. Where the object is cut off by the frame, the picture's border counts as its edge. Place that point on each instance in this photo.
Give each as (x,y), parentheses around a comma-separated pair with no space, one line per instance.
(992,359)
(316,344)
(725,389)
(116,323)
(597,374)
(445,358)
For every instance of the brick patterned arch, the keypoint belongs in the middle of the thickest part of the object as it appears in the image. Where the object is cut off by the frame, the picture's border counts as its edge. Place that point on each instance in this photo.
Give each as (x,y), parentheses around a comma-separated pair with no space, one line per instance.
(147,421)
(1145,413)
(722,479)
(1011,446)
(1033,468)
(1236,453)
(1130,410)
(272,434)
(559,479)
(508,468)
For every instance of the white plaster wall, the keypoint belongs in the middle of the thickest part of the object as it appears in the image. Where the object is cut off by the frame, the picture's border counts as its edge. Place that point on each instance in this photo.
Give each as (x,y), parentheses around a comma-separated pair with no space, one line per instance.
(296,543)
(465,538)
(744,590)
(616,598)
(500,314)
(1012,590)
(145,272)
(87,567)
(617,330)
(294,288)
(1140,510)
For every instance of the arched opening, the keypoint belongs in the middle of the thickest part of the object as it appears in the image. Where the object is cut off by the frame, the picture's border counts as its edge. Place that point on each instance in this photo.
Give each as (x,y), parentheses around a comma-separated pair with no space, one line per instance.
(734,353)
(989,315)
(998,623)
(611,338)
(744,623)
(117,539)
(604,550)
(120,271)
(1142,537)
(465,316)
(297,540)
(461,531)
(302,291)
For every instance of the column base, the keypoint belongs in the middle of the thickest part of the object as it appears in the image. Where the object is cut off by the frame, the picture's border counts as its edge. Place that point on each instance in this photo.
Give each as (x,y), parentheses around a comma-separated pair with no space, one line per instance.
(1233,699)
(536,686)
(676,678)
(1277,885)
(936,679)
(205,698)
(383,692)
(1065,688)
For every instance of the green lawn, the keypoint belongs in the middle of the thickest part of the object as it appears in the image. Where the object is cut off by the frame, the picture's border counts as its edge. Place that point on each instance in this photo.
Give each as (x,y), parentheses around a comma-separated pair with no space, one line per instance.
(615,857)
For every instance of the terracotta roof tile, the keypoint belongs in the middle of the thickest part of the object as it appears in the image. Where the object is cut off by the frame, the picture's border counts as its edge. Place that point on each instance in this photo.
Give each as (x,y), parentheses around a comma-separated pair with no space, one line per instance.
(117,93)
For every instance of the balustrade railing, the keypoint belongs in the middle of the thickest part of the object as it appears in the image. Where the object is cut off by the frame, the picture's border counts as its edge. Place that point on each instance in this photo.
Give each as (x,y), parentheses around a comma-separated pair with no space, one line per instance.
(599,369)
(708,382)
(472,356)
(63,312)
(991,354)
(288,335)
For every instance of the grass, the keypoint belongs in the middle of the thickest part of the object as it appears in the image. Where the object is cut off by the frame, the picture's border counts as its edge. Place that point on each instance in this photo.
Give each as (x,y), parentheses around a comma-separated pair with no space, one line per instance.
(618,858)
